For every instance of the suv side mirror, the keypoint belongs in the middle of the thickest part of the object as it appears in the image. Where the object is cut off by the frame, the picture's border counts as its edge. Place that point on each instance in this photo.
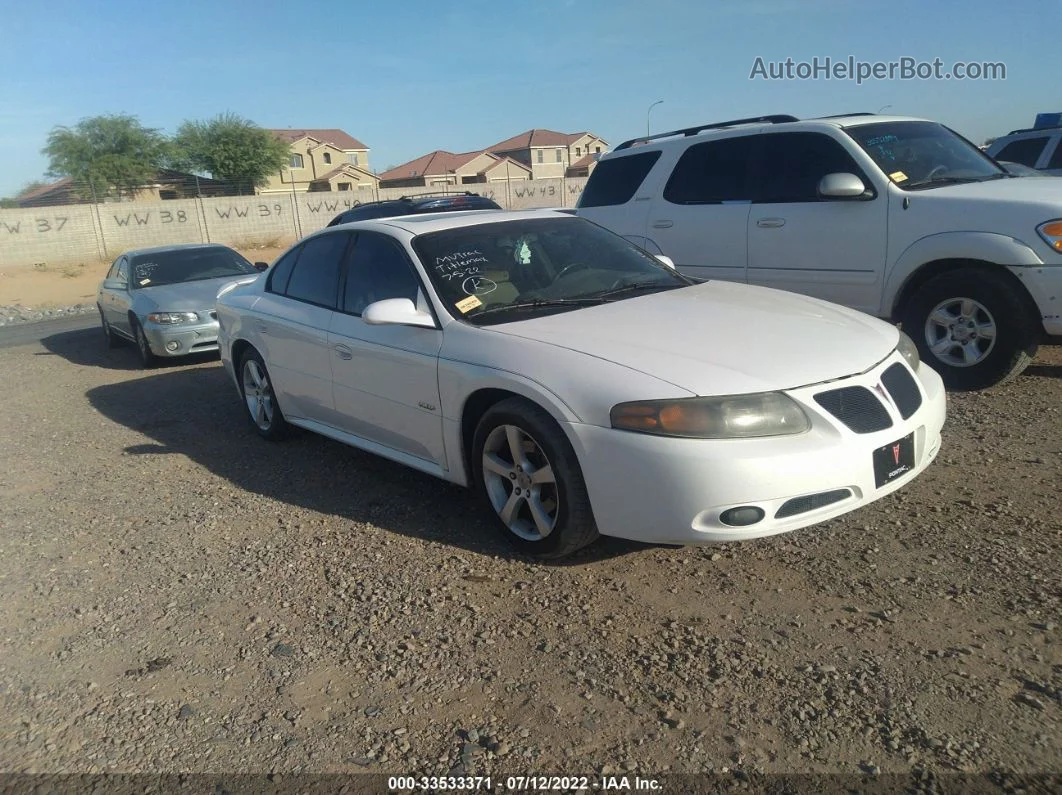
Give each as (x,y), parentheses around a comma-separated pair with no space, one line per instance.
(261,266)
(664,258)
(841,186)
(396,312)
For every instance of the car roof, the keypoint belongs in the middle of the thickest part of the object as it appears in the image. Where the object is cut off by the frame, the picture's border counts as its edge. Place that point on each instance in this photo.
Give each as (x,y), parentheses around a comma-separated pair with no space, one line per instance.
(136,252)
(423,223)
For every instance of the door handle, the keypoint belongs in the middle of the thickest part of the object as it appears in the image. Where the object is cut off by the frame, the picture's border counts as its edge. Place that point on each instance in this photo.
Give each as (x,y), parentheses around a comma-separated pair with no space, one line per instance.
(663,224)
(344,352)
(770,223)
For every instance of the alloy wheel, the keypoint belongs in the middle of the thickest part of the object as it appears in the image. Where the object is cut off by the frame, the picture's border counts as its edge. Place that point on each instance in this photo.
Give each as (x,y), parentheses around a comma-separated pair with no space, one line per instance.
(960,332)
(258,394)
(520,482)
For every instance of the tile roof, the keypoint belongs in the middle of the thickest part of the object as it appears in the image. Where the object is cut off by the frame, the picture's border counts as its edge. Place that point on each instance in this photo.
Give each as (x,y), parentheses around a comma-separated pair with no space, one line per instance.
(44,190)
(526,140)
(337,138)
(438,162)
(584,161)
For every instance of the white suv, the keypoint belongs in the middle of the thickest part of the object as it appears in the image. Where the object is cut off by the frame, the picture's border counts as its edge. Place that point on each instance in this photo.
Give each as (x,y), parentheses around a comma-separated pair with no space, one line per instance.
(1038,148)
(900,218)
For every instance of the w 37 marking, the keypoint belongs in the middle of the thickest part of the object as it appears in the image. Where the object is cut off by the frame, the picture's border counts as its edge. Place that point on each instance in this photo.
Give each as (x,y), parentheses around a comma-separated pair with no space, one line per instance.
(38,225)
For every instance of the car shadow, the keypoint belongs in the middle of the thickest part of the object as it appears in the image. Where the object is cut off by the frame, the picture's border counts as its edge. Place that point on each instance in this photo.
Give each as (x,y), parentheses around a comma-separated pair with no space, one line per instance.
(1044,370)
(87,348)
(195,412)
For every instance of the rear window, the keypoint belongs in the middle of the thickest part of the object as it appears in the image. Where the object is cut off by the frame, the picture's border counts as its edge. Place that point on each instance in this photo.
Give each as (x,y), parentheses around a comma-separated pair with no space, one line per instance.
(615,181)
(1026,151)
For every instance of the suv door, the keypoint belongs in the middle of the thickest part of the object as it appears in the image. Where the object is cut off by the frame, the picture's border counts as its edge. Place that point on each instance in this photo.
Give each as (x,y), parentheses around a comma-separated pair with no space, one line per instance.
(291,322)
(616,198)
(700,218)
(832,249)
(386,377)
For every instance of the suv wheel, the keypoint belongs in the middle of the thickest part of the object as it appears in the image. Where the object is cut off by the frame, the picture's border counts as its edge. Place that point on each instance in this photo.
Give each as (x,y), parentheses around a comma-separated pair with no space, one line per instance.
(972,327)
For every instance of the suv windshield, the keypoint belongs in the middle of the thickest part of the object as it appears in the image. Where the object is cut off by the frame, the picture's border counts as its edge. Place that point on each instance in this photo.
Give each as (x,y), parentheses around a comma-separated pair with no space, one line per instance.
(923,154)
(188,265)
(509,270)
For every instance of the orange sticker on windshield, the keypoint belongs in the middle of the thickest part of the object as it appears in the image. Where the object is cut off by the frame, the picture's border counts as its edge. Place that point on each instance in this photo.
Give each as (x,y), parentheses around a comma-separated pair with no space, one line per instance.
(898,176)
(466,305)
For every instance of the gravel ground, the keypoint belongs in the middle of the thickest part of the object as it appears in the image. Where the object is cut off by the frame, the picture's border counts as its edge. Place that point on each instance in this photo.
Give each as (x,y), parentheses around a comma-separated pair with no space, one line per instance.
(179,595)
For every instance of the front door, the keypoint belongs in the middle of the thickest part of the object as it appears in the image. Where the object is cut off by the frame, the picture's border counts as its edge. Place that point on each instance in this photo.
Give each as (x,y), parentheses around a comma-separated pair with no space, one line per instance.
(832,249)
(385,378)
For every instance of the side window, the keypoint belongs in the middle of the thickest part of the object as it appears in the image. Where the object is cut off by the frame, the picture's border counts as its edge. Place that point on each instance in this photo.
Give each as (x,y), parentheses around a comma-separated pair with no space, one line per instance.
(315,278)
(615,181)
(281,272)
(1026,151)
(377,269)
(113,272)
(122,273)
(1056,157)
(711,173)
(792,164)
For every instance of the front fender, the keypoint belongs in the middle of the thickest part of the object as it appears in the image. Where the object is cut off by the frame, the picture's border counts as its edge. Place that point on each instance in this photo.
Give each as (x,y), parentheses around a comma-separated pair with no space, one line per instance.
(981,246)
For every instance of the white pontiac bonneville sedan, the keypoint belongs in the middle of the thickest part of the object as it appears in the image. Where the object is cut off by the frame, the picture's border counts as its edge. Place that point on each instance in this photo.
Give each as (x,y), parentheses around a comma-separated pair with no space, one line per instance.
(582,385)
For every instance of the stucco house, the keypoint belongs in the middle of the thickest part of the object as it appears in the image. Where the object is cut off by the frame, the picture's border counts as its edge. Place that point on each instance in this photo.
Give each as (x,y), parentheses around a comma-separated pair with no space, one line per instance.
(553,154)
(322,160)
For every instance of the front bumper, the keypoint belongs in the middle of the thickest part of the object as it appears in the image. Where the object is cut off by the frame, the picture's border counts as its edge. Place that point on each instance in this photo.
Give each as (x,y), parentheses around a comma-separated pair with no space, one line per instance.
(181,339)
(673,491)
(1044,284)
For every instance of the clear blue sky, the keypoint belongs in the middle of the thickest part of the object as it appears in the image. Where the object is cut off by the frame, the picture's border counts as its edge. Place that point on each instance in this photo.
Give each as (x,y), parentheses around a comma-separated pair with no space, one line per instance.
(408,77)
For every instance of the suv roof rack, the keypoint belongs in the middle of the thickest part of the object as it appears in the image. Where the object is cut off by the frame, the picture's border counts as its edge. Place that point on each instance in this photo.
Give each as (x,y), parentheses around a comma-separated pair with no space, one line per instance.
(433,193)
(1036,129)
(774,119)
(848,115)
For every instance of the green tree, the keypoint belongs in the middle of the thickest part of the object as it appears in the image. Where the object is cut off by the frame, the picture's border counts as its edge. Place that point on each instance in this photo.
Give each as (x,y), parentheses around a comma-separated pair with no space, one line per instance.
(105,153)
(231,149)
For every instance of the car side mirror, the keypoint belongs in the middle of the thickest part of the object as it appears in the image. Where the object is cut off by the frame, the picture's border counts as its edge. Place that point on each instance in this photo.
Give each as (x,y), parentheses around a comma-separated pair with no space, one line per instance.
(261,266)
(842,186)
(666,260)
(396,312)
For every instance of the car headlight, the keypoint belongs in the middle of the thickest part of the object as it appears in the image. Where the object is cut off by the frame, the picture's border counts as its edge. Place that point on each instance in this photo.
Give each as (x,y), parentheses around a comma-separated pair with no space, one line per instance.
(727,417)
(1051,232)
(909,351)
(173,318)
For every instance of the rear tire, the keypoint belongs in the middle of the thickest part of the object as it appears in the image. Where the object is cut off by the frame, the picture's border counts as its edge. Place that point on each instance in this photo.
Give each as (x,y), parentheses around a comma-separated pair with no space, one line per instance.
(108,332)
(972,327)
(258,396)
(529,476)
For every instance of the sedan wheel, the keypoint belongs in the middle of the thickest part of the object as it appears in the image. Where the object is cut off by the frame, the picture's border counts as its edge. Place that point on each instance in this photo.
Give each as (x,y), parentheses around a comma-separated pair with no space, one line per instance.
(531,479)
(147,358)
(520,482)
(259,397)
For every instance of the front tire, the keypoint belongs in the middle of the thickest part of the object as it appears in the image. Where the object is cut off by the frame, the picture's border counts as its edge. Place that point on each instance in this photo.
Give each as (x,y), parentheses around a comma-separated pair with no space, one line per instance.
(259,397)
(529,475)
(143,348)
(972,327)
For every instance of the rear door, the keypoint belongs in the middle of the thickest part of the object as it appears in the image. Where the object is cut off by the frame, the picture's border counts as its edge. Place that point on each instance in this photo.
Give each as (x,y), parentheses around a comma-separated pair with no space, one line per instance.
(700,217)
(291,321)
(617,196)
(386,377)
(832,249)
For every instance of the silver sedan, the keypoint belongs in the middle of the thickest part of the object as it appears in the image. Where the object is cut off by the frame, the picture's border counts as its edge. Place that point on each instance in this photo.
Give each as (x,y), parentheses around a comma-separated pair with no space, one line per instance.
(162,299)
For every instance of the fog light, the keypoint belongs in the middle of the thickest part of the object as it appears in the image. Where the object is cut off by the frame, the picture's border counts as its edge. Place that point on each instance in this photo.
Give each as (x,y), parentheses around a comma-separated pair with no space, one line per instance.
(741,517)
(173,345)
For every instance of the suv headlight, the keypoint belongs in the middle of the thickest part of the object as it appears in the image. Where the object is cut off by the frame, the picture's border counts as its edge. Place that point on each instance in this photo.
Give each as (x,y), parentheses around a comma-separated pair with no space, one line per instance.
(727,417)
(1051,232)
(173,318)
(909,351)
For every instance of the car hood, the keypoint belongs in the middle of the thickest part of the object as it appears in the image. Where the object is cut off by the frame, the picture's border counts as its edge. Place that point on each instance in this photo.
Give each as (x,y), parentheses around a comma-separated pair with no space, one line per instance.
(1010,189)
(187,297)
(721,338)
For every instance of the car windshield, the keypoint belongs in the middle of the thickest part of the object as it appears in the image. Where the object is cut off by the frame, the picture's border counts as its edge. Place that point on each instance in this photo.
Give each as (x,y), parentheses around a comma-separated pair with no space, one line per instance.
(508,270)
(923,154)
(188,265)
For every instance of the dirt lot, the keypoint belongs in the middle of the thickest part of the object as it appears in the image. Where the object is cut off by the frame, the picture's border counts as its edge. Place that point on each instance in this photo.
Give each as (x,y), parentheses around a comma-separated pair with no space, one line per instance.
(67,283)
(179,595)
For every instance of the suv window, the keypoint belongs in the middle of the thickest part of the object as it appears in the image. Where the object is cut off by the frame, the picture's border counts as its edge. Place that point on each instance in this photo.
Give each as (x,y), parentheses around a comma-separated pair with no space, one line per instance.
(315,278)
(1056,156)
(712,172)
(615,181)
(377,269)
(1025,151)
(792,164)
